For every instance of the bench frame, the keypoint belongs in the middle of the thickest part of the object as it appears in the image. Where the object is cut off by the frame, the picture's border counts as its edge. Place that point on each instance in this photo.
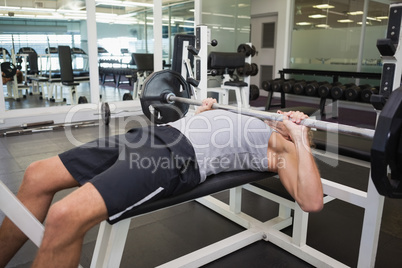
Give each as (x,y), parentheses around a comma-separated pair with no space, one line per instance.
(111,238)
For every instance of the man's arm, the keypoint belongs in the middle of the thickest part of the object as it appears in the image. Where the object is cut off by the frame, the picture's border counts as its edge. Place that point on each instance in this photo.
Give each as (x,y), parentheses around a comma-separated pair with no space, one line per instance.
(293,161)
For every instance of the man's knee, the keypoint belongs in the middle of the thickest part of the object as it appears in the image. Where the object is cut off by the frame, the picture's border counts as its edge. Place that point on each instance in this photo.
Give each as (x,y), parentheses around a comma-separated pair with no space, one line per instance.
(42,177)
(33,176)
(61,218)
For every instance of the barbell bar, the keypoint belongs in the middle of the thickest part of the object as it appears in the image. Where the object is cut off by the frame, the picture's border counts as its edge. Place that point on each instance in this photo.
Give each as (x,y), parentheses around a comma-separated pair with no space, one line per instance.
(312,123)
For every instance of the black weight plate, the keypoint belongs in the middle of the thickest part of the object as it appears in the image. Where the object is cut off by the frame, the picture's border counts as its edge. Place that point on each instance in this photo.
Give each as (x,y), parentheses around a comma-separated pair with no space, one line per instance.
(105,113)
(8,69)
(254,92)
(244,48)
(386,148)
(254,69)
(157,85)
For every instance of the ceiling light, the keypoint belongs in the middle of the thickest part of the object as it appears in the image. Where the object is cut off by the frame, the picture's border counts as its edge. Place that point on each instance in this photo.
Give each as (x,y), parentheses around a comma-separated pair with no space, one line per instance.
(38,9)
(354,13)
(371,18)
(317,16)
(382,18)
(68,11)
(323,6)
(57,15)
(223,15)
(123,3)
(105,15)
(345,21)
(322,26)
(303,23)
(9,8)
(361,23)
(24,16)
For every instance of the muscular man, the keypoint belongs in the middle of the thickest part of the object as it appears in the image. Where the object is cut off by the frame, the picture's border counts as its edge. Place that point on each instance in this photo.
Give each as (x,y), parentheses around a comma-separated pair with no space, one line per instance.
(117,174)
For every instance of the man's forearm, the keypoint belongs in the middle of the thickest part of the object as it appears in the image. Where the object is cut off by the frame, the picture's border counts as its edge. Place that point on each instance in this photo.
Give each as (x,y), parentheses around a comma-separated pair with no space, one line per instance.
(309,187)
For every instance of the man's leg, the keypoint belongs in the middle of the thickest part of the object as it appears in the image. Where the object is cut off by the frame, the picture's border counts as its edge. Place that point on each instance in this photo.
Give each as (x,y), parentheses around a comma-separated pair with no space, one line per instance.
(67,222)
(42,180)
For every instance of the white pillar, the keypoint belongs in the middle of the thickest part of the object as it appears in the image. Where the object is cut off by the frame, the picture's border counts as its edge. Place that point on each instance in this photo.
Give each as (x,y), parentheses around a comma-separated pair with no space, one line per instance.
(158,35)
(197,12)
(362,36)
(92,51)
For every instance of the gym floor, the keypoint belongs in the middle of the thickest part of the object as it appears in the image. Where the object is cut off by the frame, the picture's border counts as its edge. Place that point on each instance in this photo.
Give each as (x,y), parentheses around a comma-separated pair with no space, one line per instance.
(108,94)
(161,236)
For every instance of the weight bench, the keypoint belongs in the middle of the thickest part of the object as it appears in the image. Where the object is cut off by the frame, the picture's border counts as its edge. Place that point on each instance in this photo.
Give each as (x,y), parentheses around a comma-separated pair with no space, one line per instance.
(111,238)
(66,76)
(145,66)
(33,74)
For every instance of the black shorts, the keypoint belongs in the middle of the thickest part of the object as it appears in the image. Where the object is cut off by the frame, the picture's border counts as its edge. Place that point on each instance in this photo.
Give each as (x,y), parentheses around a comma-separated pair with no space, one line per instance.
(142,165)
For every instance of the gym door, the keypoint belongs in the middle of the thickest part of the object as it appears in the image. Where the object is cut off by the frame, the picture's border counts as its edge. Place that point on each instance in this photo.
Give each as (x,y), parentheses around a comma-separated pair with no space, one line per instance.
(263,37)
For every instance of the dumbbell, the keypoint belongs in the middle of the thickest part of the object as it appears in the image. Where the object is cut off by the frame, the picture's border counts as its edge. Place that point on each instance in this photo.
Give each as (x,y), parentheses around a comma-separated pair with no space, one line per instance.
(277,85)
(300,87)
(324,91)
(267,84)
(245,70)
(287,86)
(247,50)
(353,93)
(312,88)
(367,92)
(338,92)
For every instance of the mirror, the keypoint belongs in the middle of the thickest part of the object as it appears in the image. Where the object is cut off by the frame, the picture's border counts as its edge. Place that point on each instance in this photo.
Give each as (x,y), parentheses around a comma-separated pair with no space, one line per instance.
(31,34)
(126,43)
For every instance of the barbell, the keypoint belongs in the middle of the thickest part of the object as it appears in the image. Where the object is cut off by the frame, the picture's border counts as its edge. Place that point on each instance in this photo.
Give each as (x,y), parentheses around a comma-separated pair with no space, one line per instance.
(166,97)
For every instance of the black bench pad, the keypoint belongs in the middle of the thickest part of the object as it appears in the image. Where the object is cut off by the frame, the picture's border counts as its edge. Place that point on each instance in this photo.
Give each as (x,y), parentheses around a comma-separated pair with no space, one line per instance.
(213,184)
(236,83)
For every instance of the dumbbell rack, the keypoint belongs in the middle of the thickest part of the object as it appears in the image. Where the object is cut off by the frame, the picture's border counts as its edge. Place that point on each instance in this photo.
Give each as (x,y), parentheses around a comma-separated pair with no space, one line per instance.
(335,78)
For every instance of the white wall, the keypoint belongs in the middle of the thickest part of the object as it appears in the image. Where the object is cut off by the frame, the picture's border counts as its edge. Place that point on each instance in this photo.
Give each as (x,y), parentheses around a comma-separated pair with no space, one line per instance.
(283,8)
